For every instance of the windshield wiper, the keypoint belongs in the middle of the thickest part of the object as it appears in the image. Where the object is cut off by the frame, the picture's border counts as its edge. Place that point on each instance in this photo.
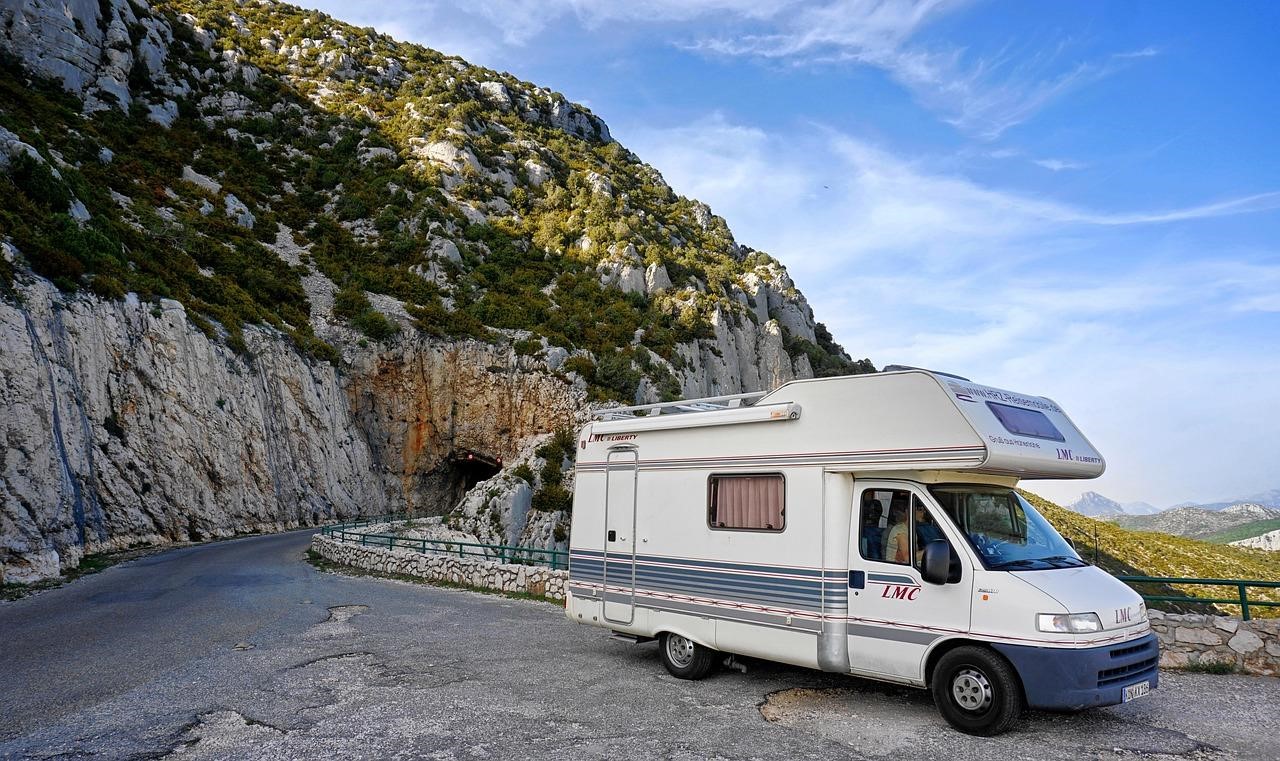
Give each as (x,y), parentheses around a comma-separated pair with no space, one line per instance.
(1070,561)
(1066,561)
(1012,563)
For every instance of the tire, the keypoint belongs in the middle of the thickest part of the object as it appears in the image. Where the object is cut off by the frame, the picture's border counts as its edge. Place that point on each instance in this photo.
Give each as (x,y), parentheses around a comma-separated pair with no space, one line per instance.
(977,691)
(684,658)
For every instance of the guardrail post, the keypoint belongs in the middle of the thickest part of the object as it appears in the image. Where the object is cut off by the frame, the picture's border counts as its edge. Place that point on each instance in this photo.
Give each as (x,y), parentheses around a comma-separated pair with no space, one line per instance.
(1244,602)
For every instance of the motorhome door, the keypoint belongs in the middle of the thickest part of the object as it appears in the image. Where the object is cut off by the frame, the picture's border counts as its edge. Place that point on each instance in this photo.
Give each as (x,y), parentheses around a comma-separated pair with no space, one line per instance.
(894,615)
(620,535)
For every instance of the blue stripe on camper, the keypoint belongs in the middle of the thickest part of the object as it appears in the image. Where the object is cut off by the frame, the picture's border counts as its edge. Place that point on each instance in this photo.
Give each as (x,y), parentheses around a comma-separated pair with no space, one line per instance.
(728,581)
(655,571)
(728,565)
(693,585)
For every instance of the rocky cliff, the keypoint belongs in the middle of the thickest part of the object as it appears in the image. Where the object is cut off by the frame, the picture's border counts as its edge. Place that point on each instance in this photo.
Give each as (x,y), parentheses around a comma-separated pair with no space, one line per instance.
(1269,541)
(124,425)
(262,269)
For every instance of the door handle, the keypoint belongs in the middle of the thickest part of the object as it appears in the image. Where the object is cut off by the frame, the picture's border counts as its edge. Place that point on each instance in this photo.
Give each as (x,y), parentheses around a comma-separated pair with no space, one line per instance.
(613,536)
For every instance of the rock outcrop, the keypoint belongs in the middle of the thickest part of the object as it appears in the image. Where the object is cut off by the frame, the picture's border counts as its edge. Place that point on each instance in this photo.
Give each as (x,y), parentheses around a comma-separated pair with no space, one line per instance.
(1268,541)
(124,424)
(94,49)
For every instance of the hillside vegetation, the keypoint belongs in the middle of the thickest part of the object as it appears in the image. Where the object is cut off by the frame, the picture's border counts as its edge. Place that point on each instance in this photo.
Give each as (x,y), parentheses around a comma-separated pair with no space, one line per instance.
(487,207)
(1247,531)
(1141,553)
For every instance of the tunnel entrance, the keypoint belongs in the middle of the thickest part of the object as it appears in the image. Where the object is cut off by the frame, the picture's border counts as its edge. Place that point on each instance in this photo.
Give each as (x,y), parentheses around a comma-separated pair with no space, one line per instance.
(438,491)
(472,467)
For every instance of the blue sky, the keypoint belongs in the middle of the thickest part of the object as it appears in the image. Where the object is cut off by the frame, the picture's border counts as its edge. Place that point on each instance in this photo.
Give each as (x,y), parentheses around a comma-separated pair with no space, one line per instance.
(1079,200)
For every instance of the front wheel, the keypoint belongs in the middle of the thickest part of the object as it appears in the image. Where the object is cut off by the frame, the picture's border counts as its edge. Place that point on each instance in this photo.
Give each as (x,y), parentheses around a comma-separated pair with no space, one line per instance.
(977,691)
(684,658)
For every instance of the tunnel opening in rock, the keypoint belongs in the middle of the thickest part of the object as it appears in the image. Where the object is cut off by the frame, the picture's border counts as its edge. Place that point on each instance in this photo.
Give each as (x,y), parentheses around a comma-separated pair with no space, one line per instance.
(449,481)
(473,467)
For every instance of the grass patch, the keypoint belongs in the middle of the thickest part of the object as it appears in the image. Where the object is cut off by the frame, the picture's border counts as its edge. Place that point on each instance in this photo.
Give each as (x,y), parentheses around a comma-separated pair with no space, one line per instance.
(324,565)
(89,564)
(1211,667)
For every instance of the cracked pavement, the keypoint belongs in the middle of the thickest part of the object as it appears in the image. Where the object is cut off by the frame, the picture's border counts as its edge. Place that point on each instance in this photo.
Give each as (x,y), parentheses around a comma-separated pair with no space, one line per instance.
(240,650)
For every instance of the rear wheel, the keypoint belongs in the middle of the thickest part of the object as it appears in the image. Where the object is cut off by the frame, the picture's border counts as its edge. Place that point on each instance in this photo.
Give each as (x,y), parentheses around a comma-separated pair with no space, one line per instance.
(684,658)
(977,691)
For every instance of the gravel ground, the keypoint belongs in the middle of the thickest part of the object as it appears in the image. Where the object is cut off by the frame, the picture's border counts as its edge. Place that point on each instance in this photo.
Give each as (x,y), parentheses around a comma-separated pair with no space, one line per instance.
(240,650)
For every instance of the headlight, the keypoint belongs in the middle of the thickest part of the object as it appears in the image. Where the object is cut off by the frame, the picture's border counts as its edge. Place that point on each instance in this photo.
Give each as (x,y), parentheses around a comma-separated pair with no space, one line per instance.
(1069,623)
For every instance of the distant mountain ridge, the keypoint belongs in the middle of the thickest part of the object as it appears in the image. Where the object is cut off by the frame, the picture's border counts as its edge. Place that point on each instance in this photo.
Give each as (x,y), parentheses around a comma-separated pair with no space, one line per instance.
(1092,503)
(1201,523)
(1239,521)
(1095,505)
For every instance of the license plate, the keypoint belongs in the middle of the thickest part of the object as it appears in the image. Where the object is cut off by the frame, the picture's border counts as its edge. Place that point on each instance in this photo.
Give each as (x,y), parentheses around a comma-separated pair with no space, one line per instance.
(1135,691)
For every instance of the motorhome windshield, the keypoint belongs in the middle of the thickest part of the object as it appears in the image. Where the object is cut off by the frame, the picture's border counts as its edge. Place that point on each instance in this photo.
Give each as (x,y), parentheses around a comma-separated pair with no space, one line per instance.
(1004,529)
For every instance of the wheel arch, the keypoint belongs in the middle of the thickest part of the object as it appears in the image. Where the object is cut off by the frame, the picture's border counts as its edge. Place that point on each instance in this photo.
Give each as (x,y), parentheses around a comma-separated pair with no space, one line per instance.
(676,628)
(944,646)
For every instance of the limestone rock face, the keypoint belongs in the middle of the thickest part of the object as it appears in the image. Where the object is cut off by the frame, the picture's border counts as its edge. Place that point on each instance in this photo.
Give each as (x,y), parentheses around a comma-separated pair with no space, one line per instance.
(124,424)
(91,53)
(554,111)
(656,279)
(418,402)
(1268,541)
(742,357)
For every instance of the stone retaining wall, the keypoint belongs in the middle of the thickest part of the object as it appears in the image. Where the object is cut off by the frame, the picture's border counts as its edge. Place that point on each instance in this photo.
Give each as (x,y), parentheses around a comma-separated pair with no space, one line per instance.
(473,572)
(1190,640)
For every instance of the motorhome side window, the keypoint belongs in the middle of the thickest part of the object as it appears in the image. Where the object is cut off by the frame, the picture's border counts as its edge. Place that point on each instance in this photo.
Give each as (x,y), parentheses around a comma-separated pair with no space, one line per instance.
(894,526)
(885,525)
(747,503)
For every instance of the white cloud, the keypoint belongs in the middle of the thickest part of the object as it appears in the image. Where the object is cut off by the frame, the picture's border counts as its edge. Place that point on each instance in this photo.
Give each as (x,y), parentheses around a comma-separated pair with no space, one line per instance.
(1059,165)
(1153,349)
(984,95)
(1147,52)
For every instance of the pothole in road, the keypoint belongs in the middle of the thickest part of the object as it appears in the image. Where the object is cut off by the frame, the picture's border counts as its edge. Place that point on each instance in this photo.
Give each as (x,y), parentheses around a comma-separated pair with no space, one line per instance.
(886,722)
(223,734)
(338,622)
(341,613)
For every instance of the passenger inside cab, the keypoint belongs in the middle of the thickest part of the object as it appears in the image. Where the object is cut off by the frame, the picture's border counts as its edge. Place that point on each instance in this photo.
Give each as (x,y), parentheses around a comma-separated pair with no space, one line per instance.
(872,532)
(897,543)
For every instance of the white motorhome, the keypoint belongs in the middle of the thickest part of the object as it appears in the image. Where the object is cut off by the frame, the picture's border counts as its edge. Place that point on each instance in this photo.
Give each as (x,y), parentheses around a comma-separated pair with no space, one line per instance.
(865,525)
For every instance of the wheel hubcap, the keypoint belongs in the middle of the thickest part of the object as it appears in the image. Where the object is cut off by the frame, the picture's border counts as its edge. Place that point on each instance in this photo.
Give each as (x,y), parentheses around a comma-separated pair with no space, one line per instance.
(679,650)
(971,690)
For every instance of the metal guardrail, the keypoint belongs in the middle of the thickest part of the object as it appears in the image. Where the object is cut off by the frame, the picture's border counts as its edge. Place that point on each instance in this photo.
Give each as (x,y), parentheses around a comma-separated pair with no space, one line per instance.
(554,559)
(1241,585)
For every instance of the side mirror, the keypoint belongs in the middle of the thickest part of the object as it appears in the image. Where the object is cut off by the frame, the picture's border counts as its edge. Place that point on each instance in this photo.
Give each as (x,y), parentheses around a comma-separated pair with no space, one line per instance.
(936,565)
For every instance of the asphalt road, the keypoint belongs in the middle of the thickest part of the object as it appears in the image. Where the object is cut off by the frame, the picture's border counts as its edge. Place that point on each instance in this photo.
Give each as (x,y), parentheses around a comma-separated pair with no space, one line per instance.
(241,650)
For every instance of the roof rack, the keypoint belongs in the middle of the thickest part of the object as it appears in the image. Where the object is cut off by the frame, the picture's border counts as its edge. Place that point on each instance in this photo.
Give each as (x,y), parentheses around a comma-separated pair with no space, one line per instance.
(898,368)
(682,406)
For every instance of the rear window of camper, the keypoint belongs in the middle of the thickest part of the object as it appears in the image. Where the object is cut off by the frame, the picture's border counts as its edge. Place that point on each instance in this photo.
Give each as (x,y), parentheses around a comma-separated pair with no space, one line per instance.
(1021,421)
(747,503)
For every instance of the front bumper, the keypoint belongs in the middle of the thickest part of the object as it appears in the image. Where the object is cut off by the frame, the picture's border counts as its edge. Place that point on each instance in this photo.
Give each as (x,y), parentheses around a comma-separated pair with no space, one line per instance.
(1061,679)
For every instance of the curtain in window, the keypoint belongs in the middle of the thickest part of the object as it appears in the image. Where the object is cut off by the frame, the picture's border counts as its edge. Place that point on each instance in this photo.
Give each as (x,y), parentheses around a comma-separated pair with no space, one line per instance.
(749,502)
